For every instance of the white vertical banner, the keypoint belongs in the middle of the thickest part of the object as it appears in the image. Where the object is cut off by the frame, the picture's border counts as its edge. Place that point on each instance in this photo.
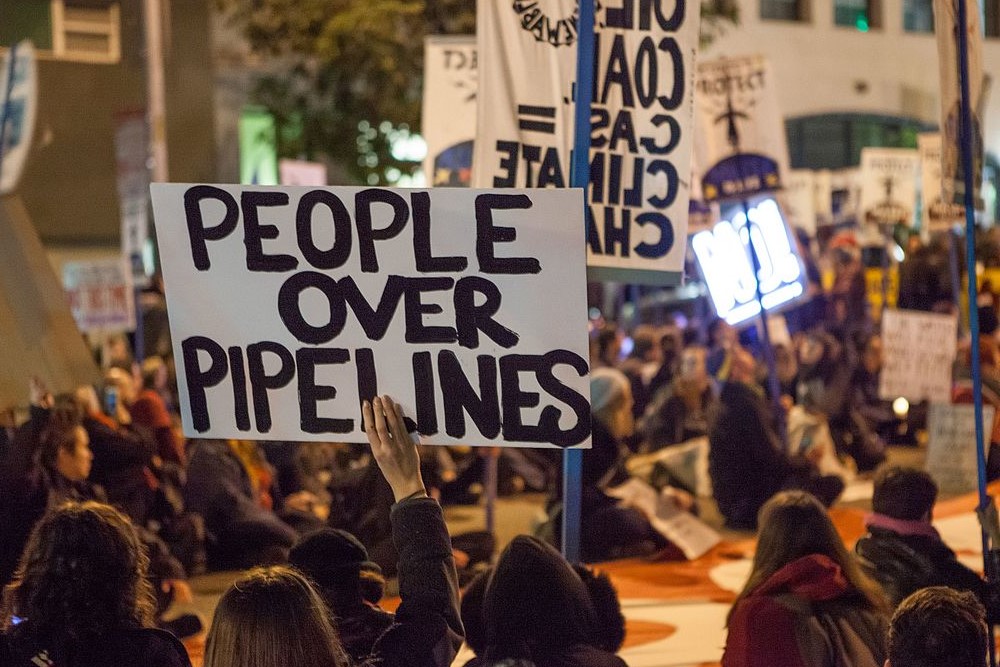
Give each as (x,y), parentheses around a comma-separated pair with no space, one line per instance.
(938,214)
(740,144)
(798,199)
(451,85)
(889,179)
(946,27)
(18,111)
(641,138)
(132,158)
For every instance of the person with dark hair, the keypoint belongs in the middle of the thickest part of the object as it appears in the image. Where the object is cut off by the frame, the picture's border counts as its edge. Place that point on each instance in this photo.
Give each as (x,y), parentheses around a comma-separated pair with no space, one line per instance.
(537,611)
(903,551)
(81,596)
(350,584)
(807,603)
(609,627)
(272,617)
(147,408)
(296,630)
(746,460)
(938,627)
(641,365)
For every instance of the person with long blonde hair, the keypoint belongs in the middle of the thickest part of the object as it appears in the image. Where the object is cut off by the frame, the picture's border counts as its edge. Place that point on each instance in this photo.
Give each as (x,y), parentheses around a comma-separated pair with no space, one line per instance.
(807,602)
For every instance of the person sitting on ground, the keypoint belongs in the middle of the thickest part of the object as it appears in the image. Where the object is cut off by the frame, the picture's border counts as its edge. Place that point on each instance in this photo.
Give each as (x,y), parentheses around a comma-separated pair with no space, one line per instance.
(350,584)
(274,618)
(147,407)
(679,412)
(903,551)
(81,596)
(747,461)
(536,610)
(807,603)
(641,365)
(938,627)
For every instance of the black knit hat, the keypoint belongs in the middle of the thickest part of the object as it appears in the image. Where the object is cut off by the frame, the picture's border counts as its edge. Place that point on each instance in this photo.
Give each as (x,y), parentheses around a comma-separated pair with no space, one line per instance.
(332,558)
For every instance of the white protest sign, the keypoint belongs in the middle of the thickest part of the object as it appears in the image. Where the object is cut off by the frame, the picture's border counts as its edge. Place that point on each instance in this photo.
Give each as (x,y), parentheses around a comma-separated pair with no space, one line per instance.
(740,145)
(951,448)
(451,82)
(17,112)
(939,214)
(289,305)
(919,353)
(798,199)
(100,294)
(301,172)
(889,178)
(641,133)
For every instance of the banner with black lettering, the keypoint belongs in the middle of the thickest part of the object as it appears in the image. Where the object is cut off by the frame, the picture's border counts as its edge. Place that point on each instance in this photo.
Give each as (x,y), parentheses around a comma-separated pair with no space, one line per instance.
(889,179)
(946,27)
(939,214)
(641,121)
(740,145)
(290,305)
(451,82)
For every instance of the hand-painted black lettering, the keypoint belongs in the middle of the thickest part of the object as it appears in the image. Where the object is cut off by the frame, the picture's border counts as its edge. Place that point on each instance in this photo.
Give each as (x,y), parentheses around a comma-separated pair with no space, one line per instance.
(310,393)
(416,330)
(461,398)
(261,382)
(198,379)
(548,422)
(290,307)
(305,218)
(426,262)
(238,375)
(198,233)
(423,388)
(487,234)
(470,318)
(375,321)
(254,232)
(367,234)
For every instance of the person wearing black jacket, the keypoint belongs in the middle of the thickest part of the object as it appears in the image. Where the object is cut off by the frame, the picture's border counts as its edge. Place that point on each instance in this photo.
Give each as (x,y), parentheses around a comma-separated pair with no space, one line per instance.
(904,552)
(426,631)
(746,460)
(82,597)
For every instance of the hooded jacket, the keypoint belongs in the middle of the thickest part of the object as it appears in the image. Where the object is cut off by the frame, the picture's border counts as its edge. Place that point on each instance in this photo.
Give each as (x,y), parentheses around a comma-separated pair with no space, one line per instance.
(806,615)
(537,610)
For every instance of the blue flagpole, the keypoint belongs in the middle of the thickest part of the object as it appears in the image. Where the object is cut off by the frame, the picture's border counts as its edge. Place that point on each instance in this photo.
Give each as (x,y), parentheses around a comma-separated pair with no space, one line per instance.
(965,137)
(579,178)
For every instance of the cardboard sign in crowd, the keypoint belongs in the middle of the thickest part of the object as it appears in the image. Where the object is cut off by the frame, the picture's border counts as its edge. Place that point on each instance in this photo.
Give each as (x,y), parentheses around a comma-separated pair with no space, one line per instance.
(291,305)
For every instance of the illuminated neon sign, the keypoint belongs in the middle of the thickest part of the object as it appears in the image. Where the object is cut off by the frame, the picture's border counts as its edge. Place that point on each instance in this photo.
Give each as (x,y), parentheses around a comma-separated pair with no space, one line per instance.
(724,257)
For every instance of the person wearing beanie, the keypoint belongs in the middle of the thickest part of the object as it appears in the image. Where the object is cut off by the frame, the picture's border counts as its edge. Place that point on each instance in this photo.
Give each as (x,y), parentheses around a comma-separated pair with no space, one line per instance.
(350,584)
(610,530)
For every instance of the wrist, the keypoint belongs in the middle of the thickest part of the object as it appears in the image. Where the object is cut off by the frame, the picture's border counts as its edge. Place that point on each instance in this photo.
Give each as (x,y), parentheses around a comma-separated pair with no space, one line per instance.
(410,492)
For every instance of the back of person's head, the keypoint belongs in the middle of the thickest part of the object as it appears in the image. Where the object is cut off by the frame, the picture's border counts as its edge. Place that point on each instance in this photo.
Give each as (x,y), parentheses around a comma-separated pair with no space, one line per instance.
(645,341)
(272,617)
(154,372)
(938,627)
(471,610)
(793,525)
(338,564)
(904,493)
(83,574)
(610,629)
(535,604)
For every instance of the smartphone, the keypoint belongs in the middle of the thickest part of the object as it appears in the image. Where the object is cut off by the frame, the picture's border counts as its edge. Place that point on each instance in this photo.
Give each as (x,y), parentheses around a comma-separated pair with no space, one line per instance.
(110,401)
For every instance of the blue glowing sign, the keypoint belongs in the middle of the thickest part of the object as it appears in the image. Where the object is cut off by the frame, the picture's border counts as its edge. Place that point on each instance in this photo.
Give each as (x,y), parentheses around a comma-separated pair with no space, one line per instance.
(724,257)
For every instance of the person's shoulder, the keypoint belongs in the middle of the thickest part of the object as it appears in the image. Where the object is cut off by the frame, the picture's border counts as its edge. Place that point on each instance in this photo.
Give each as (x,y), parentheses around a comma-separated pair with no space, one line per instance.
(158,647)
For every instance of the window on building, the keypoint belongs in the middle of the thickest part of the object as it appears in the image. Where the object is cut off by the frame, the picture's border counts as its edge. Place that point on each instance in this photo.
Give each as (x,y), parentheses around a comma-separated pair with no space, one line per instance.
(783,10)
(82,30)
(991,18)
(918,16)
(834,141)
(860,14)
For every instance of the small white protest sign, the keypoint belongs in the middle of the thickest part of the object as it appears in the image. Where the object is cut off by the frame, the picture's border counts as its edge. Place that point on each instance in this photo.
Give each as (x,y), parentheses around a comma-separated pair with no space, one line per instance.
(951,449)
(919,353)
(939,214)
(889,185)
(100,294)
(289,305)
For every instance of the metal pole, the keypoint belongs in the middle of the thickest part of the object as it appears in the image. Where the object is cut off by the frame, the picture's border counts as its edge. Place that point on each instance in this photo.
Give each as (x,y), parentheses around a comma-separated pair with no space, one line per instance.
(490,479)
(156,90)
(5,111)
(579,178)
(965,136)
